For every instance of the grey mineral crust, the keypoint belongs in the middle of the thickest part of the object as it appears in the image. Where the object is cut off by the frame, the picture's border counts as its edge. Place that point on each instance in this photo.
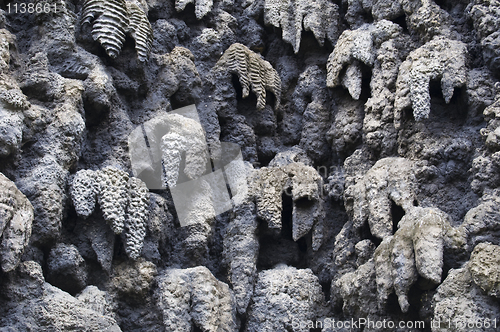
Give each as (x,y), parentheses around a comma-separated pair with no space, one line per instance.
(368,184)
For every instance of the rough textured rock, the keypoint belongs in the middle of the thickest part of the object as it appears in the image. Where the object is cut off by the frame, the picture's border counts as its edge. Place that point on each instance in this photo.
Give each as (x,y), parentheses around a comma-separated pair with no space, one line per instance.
(283,295)
(202,7)
(482,223)
(416,249)
(459,299)
(485,16)
(440,59)
(124,202)
(253,72)
(112,20)
(483,266)
(355,47)
(33,304)
(303,184)
(358,291)
(350,184)
(194,297)
(133,280)
(311,99)
(66,268)
(84,192)
(16,218)
(389,181)
(319,17)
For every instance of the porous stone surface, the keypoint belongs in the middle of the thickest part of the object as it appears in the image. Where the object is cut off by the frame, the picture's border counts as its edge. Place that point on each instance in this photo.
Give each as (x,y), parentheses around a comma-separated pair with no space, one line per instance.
(16,218)
(356,142)
(282,295)
(319,17)
(66,268)
(194,297)
(440,59)
(460,299)
(123,200)
(416,249)
(389,181)
(304,185)
(30,303)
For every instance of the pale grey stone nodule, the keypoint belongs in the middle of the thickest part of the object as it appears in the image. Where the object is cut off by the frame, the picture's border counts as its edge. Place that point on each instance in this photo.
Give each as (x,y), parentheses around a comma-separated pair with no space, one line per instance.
(189,297)
(468,293)
(253,71)
(303,184)
(202,7)
(369,200)
(320,17)
(124,202)
(440,59)
(416,249)
(16,218)
(112,20)
(282,295)
(355,47)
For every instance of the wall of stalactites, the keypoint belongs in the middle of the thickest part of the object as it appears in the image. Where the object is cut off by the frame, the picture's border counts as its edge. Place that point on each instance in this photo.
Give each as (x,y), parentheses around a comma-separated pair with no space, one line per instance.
(413,54)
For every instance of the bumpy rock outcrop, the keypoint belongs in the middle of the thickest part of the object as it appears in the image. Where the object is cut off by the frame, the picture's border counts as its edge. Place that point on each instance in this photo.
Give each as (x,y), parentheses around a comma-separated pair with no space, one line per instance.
(253,71)
(440,59)
(12,101)
(132,280)
(354,47)
(111,185)
(66,268)
(281,296)
(482,223)
(35,304)
(241,243)
(311,99)
(485,15)
(304,185)
(185,136)
(462,297)
(484,267)
(416,249)
(492,132)
(358,291)
(83,192)
(194,297)
(16,218)
(202,7)
(389,181)
(137,211)
(112,20)
(124,202)
(321,17)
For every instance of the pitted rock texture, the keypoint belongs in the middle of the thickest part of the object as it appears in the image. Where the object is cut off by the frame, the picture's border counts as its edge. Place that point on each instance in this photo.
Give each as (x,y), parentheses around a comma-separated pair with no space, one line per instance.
(124,202)
(389,182)
(368,185)
(320,17)
(467,293)
(16,218)
(281,295)
(416,249)
(440,59)
(194,297)
(304,185)
(253,72)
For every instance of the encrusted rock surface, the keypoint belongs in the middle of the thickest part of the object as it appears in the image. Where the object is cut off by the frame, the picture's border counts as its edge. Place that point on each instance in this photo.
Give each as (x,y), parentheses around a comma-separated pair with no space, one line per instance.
(344,155)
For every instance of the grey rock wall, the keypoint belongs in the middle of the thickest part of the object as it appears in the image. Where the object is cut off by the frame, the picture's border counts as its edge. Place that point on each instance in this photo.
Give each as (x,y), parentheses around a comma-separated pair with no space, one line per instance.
(368,185)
